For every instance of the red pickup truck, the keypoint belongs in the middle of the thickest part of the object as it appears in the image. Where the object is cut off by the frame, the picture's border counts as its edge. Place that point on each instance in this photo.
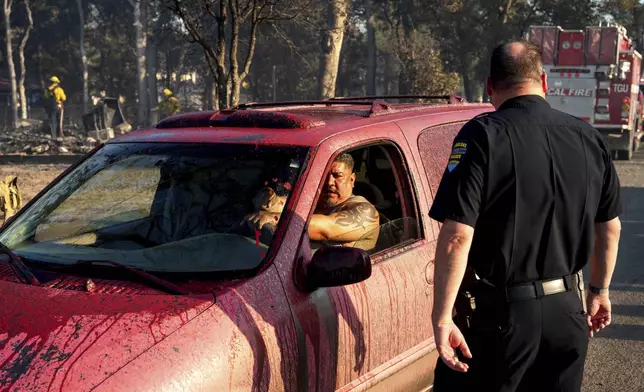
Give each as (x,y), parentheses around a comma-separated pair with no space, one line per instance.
(137,269)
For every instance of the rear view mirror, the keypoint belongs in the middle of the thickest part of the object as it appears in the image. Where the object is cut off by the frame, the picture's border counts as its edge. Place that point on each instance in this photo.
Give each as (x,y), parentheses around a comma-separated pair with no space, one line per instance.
(337,266)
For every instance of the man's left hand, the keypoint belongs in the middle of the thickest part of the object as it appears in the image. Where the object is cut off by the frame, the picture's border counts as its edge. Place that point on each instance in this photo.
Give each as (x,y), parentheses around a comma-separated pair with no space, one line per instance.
(448,338)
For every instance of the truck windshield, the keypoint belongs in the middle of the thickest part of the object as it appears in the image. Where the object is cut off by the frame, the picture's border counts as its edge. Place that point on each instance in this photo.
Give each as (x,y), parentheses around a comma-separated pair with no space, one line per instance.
(159,207)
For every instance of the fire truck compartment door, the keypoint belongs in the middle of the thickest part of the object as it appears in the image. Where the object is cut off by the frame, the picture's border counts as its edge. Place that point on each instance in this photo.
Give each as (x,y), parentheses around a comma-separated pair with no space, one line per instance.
(575,96)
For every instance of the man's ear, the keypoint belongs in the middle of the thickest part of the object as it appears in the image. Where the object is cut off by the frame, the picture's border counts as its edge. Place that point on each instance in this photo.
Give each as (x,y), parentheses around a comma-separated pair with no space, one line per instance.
(488,87)
(353,178)
(544,82)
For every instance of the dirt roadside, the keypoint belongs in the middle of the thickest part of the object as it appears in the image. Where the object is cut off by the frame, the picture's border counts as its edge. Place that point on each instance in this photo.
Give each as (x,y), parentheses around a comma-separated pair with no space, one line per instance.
(32,178)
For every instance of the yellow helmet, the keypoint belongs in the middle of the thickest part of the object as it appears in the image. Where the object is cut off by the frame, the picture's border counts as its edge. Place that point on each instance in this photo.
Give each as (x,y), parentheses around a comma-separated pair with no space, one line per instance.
(54,79)
(167,92)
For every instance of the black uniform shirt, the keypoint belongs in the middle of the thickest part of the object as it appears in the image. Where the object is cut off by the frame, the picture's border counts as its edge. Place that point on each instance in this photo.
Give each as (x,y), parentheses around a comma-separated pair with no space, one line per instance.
(532,180)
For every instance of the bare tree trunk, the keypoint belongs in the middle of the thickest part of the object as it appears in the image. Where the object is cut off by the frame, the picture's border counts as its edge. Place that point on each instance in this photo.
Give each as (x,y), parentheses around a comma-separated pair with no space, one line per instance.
(340,82)
(214,95)
(236,78)
(222,90)
(151,60)
(467,86)
(387,73)
(41,74)
(406,77)
(229,91)
(372,54)
(506,11)
(12,69)
(168,68)
(140,24)
(208,85)
(234,52)
(83,54)
(180,68)
(23,68)
(331,45)
(228,76)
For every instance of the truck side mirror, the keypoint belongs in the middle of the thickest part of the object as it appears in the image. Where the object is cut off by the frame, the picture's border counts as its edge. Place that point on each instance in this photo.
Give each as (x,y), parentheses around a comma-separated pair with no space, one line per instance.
(333,266)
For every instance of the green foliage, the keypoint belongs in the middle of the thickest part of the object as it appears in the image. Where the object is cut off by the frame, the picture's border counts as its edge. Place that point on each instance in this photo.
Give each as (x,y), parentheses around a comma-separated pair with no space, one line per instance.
(423,46)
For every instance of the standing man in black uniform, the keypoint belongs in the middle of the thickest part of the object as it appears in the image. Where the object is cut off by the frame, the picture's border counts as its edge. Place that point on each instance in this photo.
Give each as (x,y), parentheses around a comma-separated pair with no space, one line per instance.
(529,196)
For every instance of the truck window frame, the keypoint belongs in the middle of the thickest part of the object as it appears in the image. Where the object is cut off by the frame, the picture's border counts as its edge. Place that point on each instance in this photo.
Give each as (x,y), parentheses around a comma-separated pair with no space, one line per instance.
(405,186)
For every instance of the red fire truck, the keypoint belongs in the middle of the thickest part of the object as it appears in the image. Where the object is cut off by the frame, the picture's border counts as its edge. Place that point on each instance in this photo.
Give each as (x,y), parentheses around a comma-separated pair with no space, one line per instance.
(594,74)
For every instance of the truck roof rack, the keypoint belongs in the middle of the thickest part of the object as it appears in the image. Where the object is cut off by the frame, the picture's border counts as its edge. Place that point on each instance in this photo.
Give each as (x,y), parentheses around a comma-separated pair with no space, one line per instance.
(449,98)
(376,102)
(250,105)
(374,105)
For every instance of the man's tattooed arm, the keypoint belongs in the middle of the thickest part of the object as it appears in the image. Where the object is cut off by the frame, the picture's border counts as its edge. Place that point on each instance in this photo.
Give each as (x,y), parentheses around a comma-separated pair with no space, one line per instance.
(359,215)
(344,226)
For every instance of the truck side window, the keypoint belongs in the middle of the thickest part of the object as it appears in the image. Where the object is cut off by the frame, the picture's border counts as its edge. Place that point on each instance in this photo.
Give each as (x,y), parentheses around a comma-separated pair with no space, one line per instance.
(382,178)
(434,145)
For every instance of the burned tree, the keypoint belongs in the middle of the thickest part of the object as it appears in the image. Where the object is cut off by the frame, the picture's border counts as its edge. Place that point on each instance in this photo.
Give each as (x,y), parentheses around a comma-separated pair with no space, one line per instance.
(206,23)
(331,47)
(140,24)
(420,68)
(21,55)
(7,6)
(83,55)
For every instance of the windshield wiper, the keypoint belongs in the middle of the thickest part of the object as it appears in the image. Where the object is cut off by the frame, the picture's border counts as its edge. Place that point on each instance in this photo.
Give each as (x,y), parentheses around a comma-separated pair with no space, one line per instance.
(166,285)
(18,266)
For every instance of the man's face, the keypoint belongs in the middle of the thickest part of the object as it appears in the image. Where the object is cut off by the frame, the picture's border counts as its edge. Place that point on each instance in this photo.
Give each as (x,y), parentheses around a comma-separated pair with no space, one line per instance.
(338,186)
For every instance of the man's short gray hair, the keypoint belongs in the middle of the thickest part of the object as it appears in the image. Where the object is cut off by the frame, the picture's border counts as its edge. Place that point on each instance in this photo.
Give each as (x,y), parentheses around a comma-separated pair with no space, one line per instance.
(510,67)
(347,159)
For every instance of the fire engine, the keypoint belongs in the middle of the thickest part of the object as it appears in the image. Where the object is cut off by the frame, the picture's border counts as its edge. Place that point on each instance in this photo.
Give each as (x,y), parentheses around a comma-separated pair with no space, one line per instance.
(594,74)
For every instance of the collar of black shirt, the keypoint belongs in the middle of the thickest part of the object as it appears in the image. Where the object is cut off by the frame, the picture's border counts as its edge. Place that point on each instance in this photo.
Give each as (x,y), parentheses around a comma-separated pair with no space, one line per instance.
(524,101)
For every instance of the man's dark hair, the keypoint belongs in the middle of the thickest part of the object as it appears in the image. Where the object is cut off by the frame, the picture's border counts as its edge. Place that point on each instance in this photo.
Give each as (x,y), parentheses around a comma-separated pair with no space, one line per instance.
(347,159)
(508,69)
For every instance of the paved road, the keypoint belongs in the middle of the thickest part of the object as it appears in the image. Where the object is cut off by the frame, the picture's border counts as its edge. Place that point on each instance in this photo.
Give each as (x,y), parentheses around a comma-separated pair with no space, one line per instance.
(616,355)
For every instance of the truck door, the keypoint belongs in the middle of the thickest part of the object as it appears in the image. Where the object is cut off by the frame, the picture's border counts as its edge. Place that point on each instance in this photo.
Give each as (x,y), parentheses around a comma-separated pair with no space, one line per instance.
(377,331)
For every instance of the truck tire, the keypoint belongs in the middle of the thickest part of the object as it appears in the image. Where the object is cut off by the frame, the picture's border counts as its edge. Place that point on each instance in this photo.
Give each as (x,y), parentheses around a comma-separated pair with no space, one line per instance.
(625,155)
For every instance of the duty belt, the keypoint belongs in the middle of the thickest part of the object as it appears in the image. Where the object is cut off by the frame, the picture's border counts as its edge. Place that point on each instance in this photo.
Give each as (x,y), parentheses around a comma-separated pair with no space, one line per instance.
(541,288)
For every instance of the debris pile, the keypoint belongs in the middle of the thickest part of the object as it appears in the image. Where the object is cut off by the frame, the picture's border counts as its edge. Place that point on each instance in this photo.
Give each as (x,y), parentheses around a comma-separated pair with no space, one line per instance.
(31,141)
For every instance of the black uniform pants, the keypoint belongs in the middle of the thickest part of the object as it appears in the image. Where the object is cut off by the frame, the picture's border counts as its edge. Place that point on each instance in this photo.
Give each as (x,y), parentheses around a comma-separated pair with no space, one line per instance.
(529,345)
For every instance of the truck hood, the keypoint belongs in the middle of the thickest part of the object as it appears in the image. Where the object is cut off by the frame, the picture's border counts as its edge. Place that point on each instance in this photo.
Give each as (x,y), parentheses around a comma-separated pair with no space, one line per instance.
(56,339)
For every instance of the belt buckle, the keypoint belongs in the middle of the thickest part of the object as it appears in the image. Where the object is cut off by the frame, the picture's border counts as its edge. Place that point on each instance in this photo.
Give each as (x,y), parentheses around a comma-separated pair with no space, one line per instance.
(554,286)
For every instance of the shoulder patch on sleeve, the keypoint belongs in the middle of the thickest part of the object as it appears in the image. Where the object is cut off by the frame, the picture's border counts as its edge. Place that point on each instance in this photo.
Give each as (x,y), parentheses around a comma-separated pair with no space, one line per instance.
(458,152)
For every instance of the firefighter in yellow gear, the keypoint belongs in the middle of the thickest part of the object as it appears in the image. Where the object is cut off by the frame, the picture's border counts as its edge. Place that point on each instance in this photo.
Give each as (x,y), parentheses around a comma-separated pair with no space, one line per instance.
(170,104)
(54,104)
